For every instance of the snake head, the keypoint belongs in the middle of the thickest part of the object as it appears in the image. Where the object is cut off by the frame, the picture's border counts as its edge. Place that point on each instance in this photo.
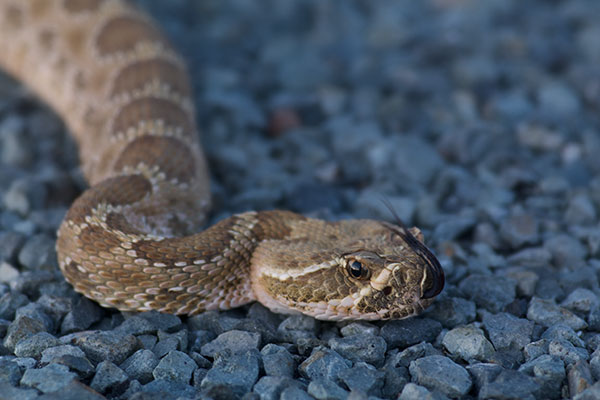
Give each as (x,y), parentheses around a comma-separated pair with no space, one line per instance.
(357,269)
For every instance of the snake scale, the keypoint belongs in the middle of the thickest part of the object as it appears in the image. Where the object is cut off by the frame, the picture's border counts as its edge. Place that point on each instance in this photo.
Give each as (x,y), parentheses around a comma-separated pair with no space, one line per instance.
(131,241)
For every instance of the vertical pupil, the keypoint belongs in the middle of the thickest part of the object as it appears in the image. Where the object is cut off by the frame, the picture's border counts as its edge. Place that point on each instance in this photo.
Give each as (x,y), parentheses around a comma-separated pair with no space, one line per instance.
(356,269)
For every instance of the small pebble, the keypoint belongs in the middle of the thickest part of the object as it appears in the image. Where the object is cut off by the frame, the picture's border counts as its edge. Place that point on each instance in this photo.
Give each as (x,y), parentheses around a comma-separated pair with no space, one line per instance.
(21,328)
(175,366)
(182,337)
(367,348)
(547,313)
(452,311)
(394,380)
(55,306)
(595,365)
(324,364)
(549,371)
(519,230)
(364,379)
(10,372)
(38,253)
(579,377)
(412,391)
(36,311)
(531,257)
(200,338)
(170,389)
(507,331)
(162,321)
(50,378)
(536,349)
(483,373)
(51,353)
(565,250)
(234,341)
(510,384)
(591,393)
(109,377)
(238,371)
(148,341)
(106,346)
(137,326)
(297,326)
(272,387)
(580,211)
(31,282)
(80,365)
(200,361)
(412,353)
(277,361)
(34,345)
(166,345)
(567,352)
(140,365)
(490,292)
(581,300)
(563,332)
(557,100)
(10,302)
(8,273)
(406,332)
(10,392)
(526,280)
(355,328)
(84,313)
(468,342)
(324,390)
(441,373)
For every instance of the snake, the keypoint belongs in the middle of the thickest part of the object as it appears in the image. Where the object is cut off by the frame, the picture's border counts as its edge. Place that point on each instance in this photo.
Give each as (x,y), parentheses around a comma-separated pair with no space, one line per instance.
(134,239)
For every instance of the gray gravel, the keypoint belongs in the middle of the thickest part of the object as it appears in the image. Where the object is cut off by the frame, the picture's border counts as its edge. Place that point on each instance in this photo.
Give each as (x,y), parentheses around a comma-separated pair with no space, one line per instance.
(476,120)
(442,374)
(468,342)
(109,377)
(277,361)
(140,365)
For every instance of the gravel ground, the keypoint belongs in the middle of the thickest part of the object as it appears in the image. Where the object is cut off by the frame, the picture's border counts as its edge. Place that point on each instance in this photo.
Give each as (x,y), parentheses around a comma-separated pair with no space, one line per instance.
(477,120)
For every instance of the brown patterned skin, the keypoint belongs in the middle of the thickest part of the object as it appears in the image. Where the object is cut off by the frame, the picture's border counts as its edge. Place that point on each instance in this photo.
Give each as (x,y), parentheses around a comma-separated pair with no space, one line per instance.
(128,242)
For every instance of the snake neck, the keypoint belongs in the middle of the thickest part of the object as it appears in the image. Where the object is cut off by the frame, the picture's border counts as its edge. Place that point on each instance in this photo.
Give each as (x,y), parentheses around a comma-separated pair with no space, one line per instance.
(106,259)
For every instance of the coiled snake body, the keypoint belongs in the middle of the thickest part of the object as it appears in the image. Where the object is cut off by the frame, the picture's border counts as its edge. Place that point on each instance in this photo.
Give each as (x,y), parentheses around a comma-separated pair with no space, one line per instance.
(128,242)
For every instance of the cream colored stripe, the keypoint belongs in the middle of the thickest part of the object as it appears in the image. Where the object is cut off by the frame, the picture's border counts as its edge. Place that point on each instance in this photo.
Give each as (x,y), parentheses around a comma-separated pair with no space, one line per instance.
(298,272)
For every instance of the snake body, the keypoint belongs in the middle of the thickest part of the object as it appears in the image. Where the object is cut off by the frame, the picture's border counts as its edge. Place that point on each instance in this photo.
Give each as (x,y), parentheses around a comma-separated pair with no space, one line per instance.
(131,241)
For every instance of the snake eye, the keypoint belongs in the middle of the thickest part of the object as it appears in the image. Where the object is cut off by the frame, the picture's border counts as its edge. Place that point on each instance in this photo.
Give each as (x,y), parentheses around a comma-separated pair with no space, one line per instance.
(357,270)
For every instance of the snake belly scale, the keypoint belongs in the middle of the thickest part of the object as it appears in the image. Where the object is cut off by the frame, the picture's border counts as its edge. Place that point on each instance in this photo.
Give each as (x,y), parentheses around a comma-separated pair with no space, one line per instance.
(131,241)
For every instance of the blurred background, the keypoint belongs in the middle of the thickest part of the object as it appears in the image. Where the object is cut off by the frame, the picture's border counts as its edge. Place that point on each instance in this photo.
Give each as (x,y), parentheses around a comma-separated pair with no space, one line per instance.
(476,119)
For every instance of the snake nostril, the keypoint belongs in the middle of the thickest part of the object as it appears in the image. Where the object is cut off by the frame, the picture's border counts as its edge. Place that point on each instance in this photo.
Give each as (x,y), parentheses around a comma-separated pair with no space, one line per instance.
(387,290)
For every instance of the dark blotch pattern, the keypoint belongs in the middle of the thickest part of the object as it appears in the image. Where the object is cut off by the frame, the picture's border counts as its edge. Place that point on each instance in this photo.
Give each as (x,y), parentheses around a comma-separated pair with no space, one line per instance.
(152,109)
(136,75)
(122,34)
(119,190)
(77,6)
(171,155)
